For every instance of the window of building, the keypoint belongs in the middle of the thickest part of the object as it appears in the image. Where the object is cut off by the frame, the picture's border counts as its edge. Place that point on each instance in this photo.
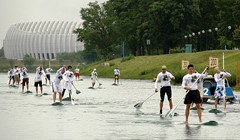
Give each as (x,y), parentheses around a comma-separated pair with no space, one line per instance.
(53,56)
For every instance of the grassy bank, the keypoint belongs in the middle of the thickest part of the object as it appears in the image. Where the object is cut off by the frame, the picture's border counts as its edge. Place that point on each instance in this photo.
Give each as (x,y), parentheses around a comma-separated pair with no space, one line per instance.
(147,67)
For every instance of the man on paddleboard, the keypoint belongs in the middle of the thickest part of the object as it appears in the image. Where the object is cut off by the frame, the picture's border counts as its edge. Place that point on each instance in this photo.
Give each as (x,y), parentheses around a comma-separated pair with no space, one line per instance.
(165,77)
(220,92)
(56,84)
(193,96)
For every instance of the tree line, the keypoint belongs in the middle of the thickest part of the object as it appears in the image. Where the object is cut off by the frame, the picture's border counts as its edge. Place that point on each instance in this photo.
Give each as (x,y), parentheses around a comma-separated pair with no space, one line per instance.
(158,26)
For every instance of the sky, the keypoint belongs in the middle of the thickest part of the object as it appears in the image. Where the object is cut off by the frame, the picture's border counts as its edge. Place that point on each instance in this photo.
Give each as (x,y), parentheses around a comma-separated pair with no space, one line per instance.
(19,11)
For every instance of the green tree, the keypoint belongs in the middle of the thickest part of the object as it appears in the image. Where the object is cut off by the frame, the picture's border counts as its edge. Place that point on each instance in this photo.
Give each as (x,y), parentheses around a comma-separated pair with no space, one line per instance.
(28,61)
(98,29)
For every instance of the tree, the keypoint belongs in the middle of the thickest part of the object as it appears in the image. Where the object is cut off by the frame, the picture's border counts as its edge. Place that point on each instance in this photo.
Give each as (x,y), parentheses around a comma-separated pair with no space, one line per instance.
(98,29)
(28,61)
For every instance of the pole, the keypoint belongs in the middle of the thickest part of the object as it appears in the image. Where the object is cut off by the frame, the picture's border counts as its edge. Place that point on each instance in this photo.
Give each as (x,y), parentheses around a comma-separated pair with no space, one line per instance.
(122,50)
(223,60)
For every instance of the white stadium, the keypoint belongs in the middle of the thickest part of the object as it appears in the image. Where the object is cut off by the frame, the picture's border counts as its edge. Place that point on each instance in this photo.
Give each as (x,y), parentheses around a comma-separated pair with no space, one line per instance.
(41,40)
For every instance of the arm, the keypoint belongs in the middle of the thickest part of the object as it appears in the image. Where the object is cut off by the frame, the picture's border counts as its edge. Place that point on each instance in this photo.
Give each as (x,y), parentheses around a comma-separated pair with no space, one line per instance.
(216,79)
(156,82)
(227,74)
(171,76)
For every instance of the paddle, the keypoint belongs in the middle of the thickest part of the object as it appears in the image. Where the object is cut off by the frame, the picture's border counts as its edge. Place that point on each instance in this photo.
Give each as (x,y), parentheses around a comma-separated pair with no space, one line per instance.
(98,82)
(224,88)
(174,108)
(139,105)
(77,91)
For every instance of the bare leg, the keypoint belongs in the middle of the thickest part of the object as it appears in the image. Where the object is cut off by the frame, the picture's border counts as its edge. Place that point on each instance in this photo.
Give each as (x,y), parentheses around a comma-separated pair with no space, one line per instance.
(41,89)
(60,97)
(170,104)
(187,112)
(54,96)
(225,105)
(198,106)
(37,90)
(216,102)
(27,87)
(22,88)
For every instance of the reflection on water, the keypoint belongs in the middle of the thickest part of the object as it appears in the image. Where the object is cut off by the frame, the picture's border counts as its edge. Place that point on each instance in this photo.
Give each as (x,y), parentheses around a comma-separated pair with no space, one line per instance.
(106,113)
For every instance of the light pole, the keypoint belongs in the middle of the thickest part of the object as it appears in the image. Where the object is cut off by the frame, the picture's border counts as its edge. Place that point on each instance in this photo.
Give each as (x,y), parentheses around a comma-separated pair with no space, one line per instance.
(210,31)
(215,37)
(199,35)
(203,32)
(229,28)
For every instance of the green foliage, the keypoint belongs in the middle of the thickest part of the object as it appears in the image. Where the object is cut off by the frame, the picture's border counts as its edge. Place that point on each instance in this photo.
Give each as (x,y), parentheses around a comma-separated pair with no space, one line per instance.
(168,24)
(28,61)
(2,53)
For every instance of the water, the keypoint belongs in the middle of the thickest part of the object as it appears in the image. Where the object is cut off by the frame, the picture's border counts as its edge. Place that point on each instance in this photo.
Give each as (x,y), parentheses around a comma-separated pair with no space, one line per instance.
(106,113)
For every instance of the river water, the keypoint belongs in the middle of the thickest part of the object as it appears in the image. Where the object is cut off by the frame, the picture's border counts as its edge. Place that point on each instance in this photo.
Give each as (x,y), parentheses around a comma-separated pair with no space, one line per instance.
(106,113)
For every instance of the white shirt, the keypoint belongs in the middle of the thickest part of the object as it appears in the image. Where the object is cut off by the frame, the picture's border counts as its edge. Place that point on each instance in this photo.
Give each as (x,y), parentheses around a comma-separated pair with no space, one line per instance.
(165,79)
(16,71)
(117,72)
(77,70)
(94,75)
(200,80)
(218,78)
(39,73)
(58,76)
(24,73)
(189,80)
(10,73)
(68,76)
(48,71)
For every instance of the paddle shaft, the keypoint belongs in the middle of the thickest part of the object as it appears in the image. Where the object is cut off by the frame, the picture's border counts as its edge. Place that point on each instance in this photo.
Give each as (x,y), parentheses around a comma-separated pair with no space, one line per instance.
(173,109)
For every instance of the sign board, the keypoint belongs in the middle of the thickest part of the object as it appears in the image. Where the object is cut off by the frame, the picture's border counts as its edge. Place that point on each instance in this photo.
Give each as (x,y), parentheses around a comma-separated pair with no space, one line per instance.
(188,48)
(185,64)
(213,62)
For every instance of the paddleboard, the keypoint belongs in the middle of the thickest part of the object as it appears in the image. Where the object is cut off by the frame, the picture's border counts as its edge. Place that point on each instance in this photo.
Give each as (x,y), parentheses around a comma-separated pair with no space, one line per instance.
(115,84)
(91,88)
(45,94)
(66,99)
(195,108)
(215,111)
(57,103)
(208,123)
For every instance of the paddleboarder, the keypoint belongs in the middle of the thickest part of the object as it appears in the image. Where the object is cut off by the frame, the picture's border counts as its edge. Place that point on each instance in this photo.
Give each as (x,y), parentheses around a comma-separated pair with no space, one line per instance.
(193,95)
(10,76)
(116,75)
(94,77)
(56,84)
(220,93)
(165,77)
(25,80)
(48,75)
(38,79)
(16,72)
(68,81)
(77,73)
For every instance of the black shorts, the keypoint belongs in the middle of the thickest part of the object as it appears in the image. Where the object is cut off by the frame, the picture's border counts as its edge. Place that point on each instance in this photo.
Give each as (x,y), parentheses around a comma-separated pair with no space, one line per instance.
(48,76)
(193,96)
(25,81)
(167,90)
(38,83)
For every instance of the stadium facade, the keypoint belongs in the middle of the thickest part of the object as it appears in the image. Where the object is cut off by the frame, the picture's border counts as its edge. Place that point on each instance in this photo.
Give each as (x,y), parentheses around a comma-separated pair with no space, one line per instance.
(41,40)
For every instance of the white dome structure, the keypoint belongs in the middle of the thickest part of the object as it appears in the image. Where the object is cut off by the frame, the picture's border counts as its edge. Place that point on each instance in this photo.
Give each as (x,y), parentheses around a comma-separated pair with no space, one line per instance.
(41,40)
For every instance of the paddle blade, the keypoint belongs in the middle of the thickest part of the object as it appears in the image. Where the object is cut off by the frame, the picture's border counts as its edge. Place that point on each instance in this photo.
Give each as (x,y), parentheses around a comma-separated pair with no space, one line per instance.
(77,91)
(138,105)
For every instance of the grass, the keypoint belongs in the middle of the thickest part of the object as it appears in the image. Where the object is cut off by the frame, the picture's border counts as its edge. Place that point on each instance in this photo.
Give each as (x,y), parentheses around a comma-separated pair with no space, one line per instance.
(147,67)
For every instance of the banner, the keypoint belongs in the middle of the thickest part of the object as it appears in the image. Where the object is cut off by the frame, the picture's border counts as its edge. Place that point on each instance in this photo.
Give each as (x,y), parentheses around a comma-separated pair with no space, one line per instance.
(213,62)
(185,64)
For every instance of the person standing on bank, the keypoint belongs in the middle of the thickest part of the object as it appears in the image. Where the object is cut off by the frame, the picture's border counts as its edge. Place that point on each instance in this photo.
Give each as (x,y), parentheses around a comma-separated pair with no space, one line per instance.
(116,75)
(193,95)
(165,77)
(220,93)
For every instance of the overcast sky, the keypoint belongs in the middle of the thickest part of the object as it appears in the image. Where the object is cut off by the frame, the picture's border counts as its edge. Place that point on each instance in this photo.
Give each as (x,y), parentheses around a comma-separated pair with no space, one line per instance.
(18,11)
